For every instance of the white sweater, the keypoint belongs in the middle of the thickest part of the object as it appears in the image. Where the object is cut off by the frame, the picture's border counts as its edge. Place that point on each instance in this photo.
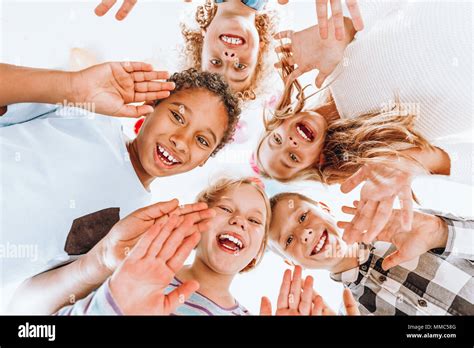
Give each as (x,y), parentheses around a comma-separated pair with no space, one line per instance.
(421,54)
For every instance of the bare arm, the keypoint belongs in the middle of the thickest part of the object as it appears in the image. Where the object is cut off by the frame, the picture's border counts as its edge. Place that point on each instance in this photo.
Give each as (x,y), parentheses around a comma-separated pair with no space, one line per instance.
(47,292)
(22,84)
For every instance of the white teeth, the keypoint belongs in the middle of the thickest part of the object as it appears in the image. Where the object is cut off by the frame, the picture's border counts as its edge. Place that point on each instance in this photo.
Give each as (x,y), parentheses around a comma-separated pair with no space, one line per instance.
(233,239)
(303,134)
(231,40)
(320,244)
(171,159)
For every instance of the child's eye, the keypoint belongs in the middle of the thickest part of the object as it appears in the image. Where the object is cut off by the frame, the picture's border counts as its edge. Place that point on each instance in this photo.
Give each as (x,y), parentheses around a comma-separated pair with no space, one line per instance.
(302,217)
(203,141)
(255,221)
(277,139)
(215,61)
(227,210)
(239,66)
(288,241)
(293,157)
(178,117)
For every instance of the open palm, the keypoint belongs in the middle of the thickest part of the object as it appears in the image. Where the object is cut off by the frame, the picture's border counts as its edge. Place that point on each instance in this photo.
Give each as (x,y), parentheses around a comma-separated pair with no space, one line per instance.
(308,51)
(138,285)
(111,87)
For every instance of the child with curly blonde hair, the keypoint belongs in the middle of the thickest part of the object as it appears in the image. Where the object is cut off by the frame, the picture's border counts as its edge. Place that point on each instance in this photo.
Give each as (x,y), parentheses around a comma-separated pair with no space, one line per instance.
(233,38)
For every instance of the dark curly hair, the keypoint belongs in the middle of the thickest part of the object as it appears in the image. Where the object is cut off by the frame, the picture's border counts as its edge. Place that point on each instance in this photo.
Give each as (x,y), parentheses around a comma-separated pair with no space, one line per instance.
(214,83)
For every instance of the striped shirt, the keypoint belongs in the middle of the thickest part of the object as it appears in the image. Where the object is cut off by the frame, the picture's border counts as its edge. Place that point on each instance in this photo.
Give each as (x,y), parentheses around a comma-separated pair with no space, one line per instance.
(101,302)
(439,282)
(257,5)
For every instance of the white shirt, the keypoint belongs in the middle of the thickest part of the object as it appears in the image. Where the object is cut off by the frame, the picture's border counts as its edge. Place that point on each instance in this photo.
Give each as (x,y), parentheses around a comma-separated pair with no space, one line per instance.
(419,53)
(55,168)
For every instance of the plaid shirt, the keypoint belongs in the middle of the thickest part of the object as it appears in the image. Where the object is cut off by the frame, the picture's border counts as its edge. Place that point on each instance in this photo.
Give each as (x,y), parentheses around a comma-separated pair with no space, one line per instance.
(439,282)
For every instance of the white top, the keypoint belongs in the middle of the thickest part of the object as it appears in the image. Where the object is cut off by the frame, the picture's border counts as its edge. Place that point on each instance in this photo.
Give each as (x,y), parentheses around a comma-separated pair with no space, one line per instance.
(419,53)
(55,168)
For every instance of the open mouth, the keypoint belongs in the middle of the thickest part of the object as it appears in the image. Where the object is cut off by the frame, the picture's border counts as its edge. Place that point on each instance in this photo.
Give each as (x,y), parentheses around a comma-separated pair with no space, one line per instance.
(230,242)
(305,132)
(232,40)
(323,241)
(165,157)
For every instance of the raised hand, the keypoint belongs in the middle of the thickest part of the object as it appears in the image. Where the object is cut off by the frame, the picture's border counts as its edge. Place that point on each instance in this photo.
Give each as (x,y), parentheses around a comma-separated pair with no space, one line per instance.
(321,308)
(123,11)
(111,87)
(126,233)
(336,12)
(138,285)
(382,184)
(306,51)
(427,232)
(295,296)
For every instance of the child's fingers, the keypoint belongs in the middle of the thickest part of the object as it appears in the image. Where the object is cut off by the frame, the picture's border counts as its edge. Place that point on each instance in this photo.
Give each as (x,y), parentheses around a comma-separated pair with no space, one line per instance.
(283,48)
(354,180)
(406,206)
(125,9)
(174,241)
(381,218)
(286,34)
(134,111)
(349,210)
(295,288)
(265,306)
(322,15)
(104,7)
(176,262)
(306,296)
(140,67)
(355,14)
(190,208)
(350,303)
(140,249)
(282,301)
(318,306)
(154,86)
(199,220)
(159,242)
(179,295)
(392,260)
(157,210)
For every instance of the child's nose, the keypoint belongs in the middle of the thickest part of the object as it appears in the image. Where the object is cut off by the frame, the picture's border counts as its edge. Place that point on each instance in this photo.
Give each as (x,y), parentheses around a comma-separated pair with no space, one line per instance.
(178,144)
(229,55)
(238,221)
(306,235)
(292,141)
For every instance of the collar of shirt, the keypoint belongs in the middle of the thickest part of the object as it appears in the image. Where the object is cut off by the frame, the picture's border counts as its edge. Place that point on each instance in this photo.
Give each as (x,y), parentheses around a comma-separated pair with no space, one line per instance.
(350,275)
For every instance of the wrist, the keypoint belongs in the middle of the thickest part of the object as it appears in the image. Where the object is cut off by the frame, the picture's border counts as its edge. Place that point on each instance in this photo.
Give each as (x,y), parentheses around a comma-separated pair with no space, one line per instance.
(440,233)
(92,268)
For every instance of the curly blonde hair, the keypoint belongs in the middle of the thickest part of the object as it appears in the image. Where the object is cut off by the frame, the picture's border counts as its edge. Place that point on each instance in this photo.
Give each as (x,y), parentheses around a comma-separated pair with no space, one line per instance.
(266,22)
(350,143)
(212,193)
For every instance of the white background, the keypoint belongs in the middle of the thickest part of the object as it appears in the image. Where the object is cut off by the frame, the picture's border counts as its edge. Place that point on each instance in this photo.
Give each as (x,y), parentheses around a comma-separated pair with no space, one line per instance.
(43,33)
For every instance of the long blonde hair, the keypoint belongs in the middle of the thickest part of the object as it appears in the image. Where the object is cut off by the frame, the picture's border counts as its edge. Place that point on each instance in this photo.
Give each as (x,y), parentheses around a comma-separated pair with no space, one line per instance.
(266,22)
(212,193)
(350,143)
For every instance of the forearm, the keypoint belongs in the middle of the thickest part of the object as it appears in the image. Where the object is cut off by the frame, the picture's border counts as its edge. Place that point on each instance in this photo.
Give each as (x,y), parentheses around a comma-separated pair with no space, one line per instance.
(23,85)
(46,293)
(434,160)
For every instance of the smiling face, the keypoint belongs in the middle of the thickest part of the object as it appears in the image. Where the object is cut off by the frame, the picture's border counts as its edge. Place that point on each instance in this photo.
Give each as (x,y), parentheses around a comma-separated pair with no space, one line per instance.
(182,132)
(237,231)
(293,146)
(300,231)
(230,48)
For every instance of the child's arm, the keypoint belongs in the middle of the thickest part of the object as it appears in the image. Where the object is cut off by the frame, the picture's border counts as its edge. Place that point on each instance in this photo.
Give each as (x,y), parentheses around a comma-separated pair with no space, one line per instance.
(106,88)
(49,291)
